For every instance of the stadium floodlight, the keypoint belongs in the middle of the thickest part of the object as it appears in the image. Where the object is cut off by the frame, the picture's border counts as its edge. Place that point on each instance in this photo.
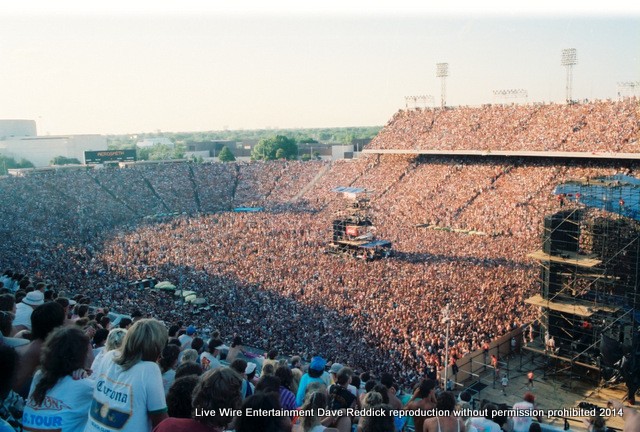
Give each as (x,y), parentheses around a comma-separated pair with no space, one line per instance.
(628,88)
(418,101)
(569,59)
(511,94)
(442,72)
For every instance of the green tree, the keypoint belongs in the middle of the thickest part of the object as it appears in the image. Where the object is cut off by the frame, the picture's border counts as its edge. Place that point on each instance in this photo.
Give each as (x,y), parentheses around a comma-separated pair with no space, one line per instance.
(280,154)
(267,148)
(63,160)
(225,155)
(24,163)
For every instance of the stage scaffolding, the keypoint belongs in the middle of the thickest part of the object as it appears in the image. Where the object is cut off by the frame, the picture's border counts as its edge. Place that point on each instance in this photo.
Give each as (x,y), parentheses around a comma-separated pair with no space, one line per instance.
(589,275)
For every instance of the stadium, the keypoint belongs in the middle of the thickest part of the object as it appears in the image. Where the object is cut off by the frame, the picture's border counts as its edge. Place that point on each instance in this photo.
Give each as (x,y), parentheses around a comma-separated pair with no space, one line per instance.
(462,194)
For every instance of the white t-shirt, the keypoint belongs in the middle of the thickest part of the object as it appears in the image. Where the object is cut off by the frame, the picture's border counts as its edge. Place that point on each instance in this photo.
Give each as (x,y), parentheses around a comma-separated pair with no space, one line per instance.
(123,400)
(168,378)
(97,361)
(486,425)
(65,406)
(185,341)
(521,424)
(23,315)
(209,361)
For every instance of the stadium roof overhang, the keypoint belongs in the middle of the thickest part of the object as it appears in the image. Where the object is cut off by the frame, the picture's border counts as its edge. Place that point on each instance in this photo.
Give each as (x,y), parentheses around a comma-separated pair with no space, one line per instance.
(493,153)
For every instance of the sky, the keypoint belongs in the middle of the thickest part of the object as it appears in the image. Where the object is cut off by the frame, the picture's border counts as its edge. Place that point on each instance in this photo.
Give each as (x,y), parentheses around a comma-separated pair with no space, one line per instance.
(131,66)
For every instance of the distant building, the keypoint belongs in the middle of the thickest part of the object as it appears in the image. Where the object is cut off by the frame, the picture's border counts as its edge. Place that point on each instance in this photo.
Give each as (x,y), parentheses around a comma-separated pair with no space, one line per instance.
(17,128)
(208,149)
(150,142)
(40,150)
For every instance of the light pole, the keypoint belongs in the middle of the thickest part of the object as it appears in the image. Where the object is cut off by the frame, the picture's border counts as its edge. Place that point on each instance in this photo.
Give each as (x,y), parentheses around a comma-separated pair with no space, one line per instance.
(442,72)
(569,59)
(446,319)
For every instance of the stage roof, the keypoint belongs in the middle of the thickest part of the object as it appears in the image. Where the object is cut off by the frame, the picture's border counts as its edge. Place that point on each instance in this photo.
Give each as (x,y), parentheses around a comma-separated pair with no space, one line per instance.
(489,153)
(617,194)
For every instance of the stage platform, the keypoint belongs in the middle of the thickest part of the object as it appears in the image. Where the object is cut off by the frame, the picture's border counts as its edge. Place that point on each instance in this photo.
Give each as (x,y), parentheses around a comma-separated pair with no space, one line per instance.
(571,258)
(583,309)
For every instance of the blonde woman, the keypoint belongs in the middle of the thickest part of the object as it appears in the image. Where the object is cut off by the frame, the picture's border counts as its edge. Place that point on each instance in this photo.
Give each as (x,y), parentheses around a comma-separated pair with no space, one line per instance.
(129,395)
(314,401)
(114,341)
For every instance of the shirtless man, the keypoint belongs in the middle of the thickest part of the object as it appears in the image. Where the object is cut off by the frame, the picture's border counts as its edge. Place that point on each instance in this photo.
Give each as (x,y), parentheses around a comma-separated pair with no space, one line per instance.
(423,398)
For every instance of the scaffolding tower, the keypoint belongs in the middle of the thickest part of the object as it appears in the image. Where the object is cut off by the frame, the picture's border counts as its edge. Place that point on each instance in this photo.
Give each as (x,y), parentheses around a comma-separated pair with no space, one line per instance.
(353,232)
(589,276)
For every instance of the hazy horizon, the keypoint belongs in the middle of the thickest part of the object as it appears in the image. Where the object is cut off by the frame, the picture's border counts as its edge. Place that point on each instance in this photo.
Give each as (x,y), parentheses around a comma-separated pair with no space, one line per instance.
(139,72)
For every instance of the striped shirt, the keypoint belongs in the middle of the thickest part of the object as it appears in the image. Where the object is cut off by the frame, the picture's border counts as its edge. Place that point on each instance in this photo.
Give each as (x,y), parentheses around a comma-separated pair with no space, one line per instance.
(287,399)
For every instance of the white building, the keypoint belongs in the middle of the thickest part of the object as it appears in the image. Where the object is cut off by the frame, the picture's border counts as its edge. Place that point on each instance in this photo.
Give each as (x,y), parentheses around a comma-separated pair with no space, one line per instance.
(18,140)
(40,150)
(17,128)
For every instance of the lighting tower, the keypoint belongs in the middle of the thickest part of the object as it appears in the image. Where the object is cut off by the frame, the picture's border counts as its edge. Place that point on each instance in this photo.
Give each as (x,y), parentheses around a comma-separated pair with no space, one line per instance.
(628,88)
(569,59)
(442,72)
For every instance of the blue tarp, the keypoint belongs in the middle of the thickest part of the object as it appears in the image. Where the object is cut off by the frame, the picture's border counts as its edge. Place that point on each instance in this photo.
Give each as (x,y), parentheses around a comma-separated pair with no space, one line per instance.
(346,189)
(377,243)
(248,209)
(620,194)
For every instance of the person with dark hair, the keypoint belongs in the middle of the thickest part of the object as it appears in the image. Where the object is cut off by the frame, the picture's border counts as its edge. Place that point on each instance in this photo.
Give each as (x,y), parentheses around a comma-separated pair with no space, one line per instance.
(386,379)
(236,349)
(99,340)
(219,388)
(268,384)
(341,398)
(423,398)
(6,323)
(263,401)
(168,361)
(11,404)
(271,358)
(125,323)
(58,400)
(173,330)
(316,373)
(243,368)
(446,402)
(8,303)
(384,392)
(179,396)
(287,398)
(197,344)
(82,310)
(188,368)
(44,319)
(128,395)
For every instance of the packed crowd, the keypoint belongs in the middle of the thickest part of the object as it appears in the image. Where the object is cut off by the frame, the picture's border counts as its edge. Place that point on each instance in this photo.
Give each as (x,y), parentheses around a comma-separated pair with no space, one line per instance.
(66,367)
(350,311)
(594,126)
(263,276)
